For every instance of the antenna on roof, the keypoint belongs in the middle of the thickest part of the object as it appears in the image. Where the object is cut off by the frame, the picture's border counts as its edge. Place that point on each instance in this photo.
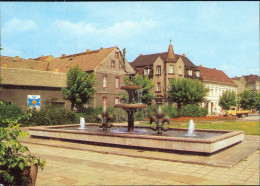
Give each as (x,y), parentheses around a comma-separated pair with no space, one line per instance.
(170,40)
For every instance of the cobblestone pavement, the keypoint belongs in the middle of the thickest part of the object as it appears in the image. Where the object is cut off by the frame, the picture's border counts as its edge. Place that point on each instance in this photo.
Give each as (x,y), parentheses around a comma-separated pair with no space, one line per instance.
(80,167)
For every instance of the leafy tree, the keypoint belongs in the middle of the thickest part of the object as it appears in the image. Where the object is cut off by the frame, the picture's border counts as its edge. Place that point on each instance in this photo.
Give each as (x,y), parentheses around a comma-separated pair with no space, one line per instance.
(228,99)
(80,88)
(146,84)
(247,100)
(186,91)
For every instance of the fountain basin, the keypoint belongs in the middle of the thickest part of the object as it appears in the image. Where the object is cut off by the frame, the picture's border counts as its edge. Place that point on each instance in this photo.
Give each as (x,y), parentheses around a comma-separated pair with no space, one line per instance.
(185,144)
(131,106)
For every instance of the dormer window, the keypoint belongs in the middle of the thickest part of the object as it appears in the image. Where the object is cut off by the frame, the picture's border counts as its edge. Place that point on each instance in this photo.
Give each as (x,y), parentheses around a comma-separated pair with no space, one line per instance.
(146,71)
(190,72)
(158,70)
(112,64)
(197,73)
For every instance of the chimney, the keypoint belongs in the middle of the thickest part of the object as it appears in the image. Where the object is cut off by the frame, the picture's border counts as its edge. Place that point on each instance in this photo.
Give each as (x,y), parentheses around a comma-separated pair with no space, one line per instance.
(140,54)
(17,57)
(101,48)
(63,55)
(214,68)
(184,55)
(200,66)
(88,50)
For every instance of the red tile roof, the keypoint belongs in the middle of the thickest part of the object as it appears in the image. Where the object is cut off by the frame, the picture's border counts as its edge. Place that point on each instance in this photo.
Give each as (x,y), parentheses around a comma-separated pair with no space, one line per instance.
(215,76)
(252,78)
(87,61)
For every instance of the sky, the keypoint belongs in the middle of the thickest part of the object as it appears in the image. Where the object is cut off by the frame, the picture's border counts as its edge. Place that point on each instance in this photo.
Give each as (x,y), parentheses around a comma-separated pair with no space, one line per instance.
(221,35)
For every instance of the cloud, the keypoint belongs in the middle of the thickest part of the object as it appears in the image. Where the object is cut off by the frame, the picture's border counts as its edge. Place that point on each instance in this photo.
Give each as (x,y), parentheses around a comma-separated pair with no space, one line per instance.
(120,29)
(18,25)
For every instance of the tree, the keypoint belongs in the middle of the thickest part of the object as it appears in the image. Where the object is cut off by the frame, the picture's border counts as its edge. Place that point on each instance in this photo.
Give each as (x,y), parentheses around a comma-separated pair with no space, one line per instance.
(186,91)
(247,100)
(146,84)
(80,88)
(257,102)
(228,99)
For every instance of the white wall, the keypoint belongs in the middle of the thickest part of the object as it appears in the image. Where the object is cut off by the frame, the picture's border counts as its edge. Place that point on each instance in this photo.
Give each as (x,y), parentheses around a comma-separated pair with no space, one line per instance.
(215,91)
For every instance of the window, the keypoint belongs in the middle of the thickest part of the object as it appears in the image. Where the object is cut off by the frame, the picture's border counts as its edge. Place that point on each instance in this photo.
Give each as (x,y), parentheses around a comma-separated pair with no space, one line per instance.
(171,69)
(146,71)
(117,82)
(117,55)
(117,100)
(180,71)
(104,101)
(190,72)
(158,101)
(112,64)
(104,81)
(197,73)
(158,70)
(158,86)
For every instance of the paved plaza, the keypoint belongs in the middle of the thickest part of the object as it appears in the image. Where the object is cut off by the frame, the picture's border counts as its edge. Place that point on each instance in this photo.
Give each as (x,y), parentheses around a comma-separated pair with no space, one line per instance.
(81,164)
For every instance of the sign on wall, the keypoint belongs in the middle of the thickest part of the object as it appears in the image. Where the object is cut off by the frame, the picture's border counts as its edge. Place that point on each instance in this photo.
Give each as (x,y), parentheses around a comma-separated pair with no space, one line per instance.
(34,101)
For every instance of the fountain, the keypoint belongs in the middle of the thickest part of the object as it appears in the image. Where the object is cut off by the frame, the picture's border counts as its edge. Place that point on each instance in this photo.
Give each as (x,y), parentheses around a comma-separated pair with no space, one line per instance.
(105,119)
(191,129)
(131,107)
(159,122)
(82,123)
(205,141)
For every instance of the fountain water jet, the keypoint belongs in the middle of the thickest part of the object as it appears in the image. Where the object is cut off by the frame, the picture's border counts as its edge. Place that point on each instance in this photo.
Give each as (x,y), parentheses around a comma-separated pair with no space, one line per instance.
(82,123)
(191,129)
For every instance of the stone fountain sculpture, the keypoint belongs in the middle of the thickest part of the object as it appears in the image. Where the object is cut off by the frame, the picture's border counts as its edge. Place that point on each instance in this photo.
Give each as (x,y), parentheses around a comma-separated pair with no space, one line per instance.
(132,91)
(105,119)
(160,123)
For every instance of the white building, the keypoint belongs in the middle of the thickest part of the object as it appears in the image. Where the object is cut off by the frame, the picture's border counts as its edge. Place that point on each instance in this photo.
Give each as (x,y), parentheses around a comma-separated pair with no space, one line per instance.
(218,83)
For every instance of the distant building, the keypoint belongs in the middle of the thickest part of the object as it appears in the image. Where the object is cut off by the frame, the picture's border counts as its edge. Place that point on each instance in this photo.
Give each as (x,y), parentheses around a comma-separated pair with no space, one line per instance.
(46,75)
(23,79)
(162,67)
(250,82)
(217,82)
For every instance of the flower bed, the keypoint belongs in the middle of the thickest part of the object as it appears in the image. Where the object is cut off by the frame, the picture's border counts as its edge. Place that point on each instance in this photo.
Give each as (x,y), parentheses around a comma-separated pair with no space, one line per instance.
(200,119)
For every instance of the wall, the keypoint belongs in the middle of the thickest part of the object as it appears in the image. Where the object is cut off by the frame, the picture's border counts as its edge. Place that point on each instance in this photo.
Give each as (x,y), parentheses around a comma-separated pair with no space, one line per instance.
(212,98)
(18,94)
(110,91)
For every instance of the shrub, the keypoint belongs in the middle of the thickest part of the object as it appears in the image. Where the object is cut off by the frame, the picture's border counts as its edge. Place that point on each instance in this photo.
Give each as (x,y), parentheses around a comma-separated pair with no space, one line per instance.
(8,112)
(170,111)
(15,158)
(50,114)
(192,111)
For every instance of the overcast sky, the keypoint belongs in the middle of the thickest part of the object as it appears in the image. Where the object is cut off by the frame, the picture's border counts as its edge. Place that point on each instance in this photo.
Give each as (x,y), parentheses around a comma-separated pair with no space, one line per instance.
(222,35)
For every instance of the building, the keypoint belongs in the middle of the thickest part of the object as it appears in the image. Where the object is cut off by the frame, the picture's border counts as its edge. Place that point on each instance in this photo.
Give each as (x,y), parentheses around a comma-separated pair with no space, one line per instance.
(217,82)
(23,79)
(162,67)
(250,82)
(46,75)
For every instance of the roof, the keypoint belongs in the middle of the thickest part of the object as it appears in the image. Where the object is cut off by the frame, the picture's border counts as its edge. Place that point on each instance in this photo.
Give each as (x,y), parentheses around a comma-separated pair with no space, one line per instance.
(87,61)
(17,62)
(252,78)
(215,76)
(26,77)
(147,60)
